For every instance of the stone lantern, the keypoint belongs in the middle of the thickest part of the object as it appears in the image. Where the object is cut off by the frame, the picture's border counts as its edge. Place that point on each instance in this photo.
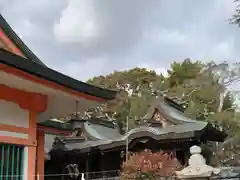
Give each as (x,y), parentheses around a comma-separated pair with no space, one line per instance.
(197,168)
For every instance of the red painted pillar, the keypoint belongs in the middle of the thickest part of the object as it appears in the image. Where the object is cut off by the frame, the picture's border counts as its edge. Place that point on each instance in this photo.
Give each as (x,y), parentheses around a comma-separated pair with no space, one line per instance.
(40,154)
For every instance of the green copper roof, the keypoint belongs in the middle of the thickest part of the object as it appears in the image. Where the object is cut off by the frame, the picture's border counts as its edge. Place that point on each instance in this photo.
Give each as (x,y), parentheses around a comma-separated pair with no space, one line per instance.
(57,125)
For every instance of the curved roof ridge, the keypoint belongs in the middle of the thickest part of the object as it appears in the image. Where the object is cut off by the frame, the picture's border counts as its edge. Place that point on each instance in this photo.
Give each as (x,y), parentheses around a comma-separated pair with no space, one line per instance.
(180,128)
(177,132)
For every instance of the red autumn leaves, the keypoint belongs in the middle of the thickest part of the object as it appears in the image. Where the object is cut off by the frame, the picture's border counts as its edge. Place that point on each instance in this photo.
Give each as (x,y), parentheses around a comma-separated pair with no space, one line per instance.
(154,164)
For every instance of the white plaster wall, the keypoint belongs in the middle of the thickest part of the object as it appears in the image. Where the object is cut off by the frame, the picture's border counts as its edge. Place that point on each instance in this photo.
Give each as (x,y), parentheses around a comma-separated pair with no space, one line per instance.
(49,139)
(12,114)
(14,134)
(25,164)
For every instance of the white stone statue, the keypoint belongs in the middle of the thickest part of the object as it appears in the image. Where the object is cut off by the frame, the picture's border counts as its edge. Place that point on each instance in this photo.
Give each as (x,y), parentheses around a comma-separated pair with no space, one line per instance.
(82,177)
(197,168)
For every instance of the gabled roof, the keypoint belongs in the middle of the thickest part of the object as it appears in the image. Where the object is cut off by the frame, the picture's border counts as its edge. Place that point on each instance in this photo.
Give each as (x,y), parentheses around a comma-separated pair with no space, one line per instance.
(200,130)
(182,128)
(170,110)
(18,42)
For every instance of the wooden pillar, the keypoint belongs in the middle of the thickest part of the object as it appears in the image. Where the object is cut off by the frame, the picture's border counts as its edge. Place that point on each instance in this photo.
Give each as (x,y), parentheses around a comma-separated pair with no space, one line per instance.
(32,150)
(40,154)
(186,157)
(102,168)
(87,167)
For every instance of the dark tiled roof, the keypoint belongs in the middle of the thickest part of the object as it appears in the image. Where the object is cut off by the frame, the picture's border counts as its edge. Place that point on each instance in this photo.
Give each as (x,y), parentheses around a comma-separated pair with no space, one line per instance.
(172,133)
(107,137)
(101,131)
(57,125)
(171,111)
(51,75)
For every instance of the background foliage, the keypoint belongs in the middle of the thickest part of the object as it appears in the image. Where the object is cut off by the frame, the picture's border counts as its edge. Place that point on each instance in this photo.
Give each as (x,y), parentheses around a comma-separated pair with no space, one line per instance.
(202,88)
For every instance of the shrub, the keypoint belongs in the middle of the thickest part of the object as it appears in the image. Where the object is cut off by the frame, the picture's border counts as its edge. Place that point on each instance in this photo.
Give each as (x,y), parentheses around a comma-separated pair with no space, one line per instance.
(148,165)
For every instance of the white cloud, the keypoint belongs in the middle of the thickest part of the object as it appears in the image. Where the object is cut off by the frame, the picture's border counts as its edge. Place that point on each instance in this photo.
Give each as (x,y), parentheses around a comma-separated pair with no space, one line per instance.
(167,36)
(27,28)
(162,71)
(106,27)
(224,50)
(84,70)
(158,70)
(84,38)
(225,8)
(78,23)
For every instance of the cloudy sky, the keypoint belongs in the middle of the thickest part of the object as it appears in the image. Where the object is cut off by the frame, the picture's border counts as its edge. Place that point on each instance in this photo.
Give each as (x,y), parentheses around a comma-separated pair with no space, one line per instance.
(86,38)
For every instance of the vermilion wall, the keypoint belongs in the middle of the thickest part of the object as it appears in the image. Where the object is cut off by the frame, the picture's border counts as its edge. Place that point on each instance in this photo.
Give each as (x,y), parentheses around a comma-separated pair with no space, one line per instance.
(18,124)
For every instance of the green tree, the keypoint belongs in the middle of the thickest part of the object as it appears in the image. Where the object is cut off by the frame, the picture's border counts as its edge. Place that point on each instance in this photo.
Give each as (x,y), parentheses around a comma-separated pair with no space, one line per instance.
(206,93)
(136,89)
(186,70)
(201,87)
(235,19)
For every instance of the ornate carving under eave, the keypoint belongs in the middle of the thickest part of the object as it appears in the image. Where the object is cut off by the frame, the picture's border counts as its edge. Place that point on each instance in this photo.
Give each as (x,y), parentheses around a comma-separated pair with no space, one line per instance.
(9,45)
(94,113)
(2,45)
(158,117)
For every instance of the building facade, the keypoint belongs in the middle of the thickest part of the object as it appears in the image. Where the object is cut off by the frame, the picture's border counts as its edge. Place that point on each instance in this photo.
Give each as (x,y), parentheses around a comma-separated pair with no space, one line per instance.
(31,93)
(98,149)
